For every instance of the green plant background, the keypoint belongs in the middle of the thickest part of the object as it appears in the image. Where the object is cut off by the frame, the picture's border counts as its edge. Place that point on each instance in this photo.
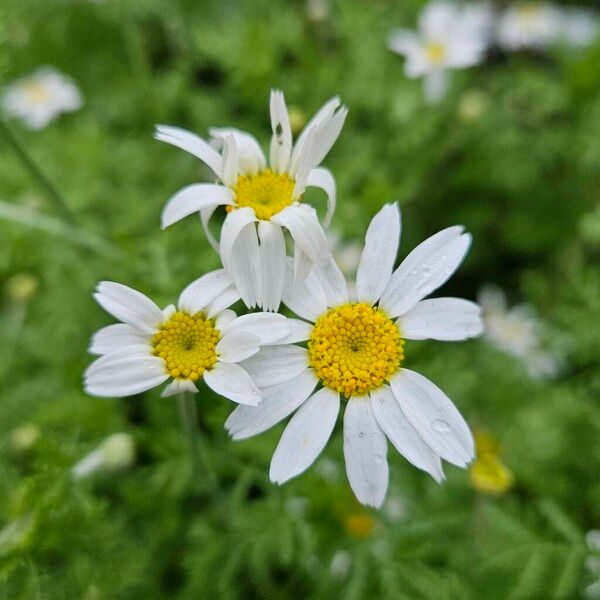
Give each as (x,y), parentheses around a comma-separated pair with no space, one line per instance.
(521,170)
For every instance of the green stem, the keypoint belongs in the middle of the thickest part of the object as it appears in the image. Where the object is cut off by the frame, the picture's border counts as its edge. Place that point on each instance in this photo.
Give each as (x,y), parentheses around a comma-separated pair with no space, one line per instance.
(35,172)
(201,465)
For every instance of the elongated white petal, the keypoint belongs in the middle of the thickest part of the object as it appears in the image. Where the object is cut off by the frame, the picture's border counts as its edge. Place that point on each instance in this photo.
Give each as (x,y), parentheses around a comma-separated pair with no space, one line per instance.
(332,281)
(302,163)
(124,373)
(233,382)
(192,143)
(302,264)
(234,222)
(205,217)
(306,298)
(299,332)
(281,142)
(251,159)
(230,161)
(434,417)
(365,451)
(194,198)
(201,292)
(302,222)
(114,337)
(236,346)
(276,364)
(445,319)
(379,254)
(272,264)
(270,328)
(128,305)
(402,434)
(179,386)
(322,178)
(425,269)
(277,403)
(223,320)
(222,301)
(305,436)
(327,135)
(244,267)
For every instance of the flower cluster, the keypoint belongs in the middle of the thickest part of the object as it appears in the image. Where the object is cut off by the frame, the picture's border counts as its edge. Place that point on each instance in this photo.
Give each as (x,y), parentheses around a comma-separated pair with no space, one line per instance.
(344,344)
(454,36)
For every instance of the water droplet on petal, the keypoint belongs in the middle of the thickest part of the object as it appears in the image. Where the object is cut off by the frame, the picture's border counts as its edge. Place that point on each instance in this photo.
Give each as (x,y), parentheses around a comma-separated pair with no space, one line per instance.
(378,458)
(361,434)
(440,425)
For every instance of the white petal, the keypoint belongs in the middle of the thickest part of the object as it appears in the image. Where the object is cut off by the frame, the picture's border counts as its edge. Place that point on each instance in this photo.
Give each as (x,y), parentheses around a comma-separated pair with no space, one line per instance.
(124,373)
(302,162)
(205,217)
(223,319)
(192,143)
(281,142)
(302,264)
(277,403)
(251,159)
(230,161)
(305,436)
(114,337)
(299,332)
(434,417)
(402,434)
(179,386)
(223,301)
(272,264)
(379,254)
(365,452)
(302,222)
(234,222)
(129,306)
(194,198)
(435,86)
(445,319)
(332,281)
(327,135)
(322,178)
(233,382)
(276,364)
(306,298)
(268,327)
(200,293)
(425,269)
(235,346)
(245,267)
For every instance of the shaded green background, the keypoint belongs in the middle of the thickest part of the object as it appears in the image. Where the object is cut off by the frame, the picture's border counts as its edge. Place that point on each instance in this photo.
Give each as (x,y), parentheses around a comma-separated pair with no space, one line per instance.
(521,172)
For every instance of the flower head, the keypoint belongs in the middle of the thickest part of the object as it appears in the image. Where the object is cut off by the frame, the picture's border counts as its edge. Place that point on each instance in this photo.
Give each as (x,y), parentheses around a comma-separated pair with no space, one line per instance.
(262,200)
(200,339)
(488,473)
(529,25)
(41,97)
(355,352)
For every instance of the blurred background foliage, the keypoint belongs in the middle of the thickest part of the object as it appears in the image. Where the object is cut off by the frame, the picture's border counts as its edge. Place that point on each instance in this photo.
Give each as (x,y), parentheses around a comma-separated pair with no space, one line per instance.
(513,153)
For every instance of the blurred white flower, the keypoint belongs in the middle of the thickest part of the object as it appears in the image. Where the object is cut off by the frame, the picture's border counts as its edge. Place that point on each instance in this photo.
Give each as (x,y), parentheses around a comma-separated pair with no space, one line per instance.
(579,27)
(25,437)
(529,25)
(328,469)
(448,37)
(592,539)
(41,97)
(395,508)
(340,564)
(115,453)
(516,331)
(297,506)
(317,11)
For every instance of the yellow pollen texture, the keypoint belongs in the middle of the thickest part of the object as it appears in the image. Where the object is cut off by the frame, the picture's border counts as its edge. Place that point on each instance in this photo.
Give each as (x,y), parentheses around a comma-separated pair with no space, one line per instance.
(266,192)
(187,345)
(355,348)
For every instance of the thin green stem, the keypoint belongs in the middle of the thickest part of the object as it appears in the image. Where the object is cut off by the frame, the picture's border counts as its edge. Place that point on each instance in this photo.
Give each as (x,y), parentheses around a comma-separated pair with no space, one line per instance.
(36,173)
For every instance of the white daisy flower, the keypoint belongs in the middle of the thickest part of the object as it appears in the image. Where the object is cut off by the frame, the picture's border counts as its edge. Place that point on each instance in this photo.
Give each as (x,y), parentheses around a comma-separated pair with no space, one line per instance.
(200,339)
(356,350)
(516,331)
(579,27)
(262,200)
(448,37)
(41,97)
(528,25)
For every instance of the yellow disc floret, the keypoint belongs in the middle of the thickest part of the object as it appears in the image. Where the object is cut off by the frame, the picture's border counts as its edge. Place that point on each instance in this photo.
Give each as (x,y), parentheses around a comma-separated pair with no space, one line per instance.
(355,348)
(266,192)
(187,345)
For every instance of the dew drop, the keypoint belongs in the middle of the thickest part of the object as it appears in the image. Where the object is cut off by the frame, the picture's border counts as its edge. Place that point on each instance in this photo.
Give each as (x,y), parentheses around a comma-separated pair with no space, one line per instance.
(361,434)
(378,458)
(440,425)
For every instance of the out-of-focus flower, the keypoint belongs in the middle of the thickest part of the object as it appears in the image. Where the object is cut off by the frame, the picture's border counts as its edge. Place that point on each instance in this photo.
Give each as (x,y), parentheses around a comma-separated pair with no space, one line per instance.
(359,525)
(297,506)
(579,27)
(41,97)
(297,119)
(21,287)
(448,37)
(317,11)
(529,25)
(516,331)
(328,469)
(115,453)
(340,564)
(395,508)
(472,106)
(25,437)
(488,474)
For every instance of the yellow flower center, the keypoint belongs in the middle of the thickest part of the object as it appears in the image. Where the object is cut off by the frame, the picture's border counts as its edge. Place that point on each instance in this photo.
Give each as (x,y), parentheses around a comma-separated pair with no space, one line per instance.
(435,53)
(36,92)
(266,192)
(489,475)
(187,345)
(528,13)
(354,348)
